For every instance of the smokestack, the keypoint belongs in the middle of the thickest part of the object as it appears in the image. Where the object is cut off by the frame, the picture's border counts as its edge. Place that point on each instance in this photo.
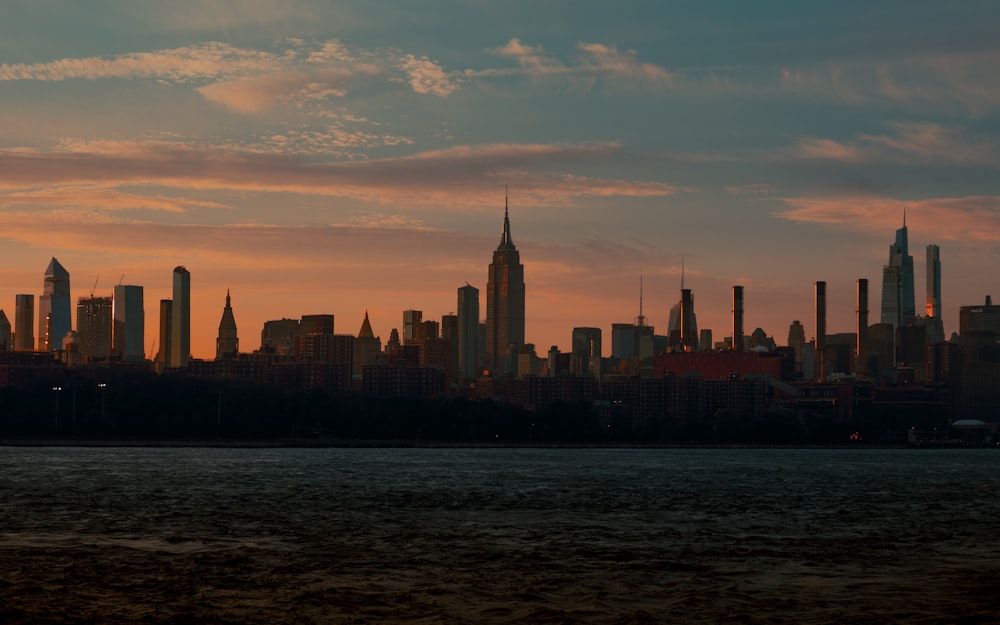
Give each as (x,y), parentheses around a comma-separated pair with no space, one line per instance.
(820,330)
(861,350)
(737,319)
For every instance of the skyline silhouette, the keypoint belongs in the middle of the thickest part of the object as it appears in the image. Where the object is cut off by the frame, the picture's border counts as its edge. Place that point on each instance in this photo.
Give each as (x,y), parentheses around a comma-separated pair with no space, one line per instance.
(343,158)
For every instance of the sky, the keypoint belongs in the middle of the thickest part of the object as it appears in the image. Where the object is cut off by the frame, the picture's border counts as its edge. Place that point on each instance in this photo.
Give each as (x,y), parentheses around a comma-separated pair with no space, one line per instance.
(335,157)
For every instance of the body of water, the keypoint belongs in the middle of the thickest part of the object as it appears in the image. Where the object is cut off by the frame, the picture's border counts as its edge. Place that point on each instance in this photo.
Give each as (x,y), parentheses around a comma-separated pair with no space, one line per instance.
(499,536)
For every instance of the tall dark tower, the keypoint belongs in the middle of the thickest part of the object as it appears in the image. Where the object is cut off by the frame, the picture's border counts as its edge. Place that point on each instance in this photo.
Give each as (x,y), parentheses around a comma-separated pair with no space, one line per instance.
(504,301)
(227,345)
(897,281)
(737,319)
(861,367)
(820,330)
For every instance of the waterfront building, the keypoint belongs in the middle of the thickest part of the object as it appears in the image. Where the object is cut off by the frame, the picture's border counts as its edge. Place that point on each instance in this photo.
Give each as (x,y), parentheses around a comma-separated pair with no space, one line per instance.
(129,326)
(54,308)
(180,330)
(504,303)
(227,345)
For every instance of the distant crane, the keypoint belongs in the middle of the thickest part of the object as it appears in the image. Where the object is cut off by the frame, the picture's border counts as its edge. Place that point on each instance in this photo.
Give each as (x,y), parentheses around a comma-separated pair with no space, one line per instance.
(120,280)
(95,286)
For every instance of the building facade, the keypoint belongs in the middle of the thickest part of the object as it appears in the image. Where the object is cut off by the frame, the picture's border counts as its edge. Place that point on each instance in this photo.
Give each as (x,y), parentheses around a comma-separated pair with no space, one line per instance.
(898,307)
(504,304)
(54,308)
(180,328)
(24,322)
(94,328)
(227,345)
(129,331)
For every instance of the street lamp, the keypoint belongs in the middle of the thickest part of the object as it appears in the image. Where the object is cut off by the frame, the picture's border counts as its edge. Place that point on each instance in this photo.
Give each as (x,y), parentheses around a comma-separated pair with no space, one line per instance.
(102,386)
(55,420)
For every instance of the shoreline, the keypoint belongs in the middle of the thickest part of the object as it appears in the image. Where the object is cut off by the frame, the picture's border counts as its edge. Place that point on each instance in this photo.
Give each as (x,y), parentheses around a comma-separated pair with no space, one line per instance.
(403,443)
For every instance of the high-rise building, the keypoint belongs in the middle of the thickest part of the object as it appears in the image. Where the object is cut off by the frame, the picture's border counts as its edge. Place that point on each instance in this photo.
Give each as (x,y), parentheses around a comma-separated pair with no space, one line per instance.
(933,305)
(586,350)
(682,325)
(898,307)
(623,340)
(180,329)
(163,359)
(468,331)
(227,345)
(316,324)
(411,324)
(5,332)
(54,308)
(129,330)
(94,328)
(24,322)
(504,303)
(367,347)
(861,348)
(797,341)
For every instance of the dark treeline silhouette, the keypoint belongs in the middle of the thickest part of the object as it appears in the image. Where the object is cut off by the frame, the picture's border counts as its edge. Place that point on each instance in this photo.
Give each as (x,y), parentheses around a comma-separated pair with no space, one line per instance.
(143,406)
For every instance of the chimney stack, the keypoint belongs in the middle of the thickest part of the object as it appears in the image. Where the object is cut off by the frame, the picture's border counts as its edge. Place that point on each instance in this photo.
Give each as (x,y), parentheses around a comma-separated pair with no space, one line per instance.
(820,330)
(737,319)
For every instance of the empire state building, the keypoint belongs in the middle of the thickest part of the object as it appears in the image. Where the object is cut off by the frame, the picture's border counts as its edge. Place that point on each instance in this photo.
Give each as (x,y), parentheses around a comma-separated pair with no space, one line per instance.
(504,302)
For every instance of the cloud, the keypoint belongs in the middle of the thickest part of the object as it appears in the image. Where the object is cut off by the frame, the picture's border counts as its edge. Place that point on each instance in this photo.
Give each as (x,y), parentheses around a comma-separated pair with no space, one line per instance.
(914,143)
(595,60)
(259,93)
(951,218)
(197,62)
(427,77)
(452,178)
(84,196)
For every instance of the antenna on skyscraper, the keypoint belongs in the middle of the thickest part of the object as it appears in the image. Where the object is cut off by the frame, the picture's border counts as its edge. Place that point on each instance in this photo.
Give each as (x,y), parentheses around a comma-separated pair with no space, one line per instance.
(641,319)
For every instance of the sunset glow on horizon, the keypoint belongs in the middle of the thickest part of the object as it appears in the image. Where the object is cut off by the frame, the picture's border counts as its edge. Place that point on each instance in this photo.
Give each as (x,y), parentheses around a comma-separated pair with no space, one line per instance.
(313,157)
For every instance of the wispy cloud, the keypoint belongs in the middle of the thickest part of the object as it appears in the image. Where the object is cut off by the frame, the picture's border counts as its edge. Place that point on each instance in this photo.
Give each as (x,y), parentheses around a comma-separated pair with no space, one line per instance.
(951,218)
(593,60)
(196,62)
(452,178)
(909,142)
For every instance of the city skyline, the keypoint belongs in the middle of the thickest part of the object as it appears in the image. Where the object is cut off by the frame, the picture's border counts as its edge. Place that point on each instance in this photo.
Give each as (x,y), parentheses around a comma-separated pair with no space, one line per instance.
(313,158)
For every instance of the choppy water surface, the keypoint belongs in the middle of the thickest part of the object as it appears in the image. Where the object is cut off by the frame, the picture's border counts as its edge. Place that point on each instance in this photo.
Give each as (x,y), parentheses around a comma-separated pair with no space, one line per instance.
(499,536)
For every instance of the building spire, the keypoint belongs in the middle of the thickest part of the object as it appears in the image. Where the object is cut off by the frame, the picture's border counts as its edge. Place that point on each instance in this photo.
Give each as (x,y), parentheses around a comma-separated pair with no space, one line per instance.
(505,236)
(641,319)
(682,272)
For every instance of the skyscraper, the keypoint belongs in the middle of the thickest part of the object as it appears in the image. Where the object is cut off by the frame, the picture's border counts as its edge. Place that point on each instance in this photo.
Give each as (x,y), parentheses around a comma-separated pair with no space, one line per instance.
(411,322)
(163,357)
(468,331)
(933,306)
(227,345)
(94,328)
(504,302)
(24,322)
(129,330)
(682,325)
(180,317)
(898,307)
(54,308)
(5,332)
